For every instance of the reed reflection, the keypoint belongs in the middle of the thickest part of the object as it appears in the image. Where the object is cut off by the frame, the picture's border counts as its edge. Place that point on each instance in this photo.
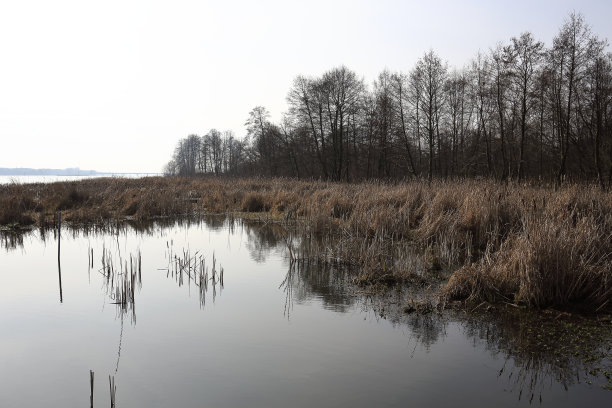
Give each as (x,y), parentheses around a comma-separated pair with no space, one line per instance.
(541,349)
(121,279)
(306,281)
(186,267)
(538,351)
(10,240)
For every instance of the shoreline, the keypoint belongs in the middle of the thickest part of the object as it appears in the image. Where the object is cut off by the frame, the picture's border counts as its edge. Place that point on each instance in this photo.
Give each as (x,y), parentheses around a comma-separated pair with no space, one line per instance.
(499,243)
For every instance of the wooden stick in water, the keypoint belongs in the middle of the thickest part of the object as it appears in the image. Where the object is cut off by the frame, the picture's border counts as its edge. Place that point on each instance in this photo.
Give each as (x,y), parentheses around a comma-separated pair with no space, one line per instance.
(59,267)
(113,390)
(91,384)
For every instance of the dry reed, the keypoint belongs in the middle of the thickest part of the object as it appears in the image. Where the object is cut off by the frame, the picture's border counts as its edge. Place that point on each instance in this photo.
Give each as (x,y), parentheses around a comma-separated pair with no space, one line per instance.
(529,244)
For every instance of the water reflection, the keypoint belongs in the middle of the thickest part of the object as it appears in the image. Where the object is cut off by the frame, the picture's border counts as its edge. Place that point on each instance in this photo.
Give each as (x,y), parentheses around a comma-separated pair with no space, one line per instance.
(262,238)
(10,240)
(532,355)
(542,349)
(328,284)
(193,267)
(121,277)
(538,350)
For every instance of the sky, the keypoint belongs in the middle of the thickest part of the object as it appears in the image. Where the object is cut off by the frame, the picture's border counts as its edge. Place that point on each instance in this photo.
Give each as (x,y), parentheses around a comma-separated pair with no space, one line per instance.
(113,85)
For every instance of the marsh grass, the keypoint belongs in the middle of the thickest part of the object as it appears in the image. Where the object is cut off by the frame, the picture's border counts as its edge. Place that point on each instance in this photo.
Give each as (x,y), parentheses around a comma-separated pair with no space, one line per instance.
(521,244)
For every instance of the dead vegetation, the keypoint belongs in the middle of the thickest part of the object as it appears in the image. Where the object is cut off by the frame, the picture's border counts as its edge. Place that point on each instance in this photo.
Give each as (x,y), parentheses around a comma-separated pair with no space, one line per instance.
(519,244)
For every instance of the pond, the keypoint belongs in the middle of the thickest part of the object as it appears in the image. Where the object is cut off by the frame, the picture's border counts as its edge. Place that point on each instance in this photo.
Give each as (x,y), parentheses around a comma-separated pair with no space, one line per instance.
(214,313)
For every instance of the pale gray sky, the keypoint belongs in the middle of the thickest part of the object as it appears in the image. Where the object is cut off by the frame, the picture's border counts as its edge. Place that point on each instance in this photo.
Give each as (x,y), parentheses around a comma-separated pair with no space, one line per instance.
(113,85)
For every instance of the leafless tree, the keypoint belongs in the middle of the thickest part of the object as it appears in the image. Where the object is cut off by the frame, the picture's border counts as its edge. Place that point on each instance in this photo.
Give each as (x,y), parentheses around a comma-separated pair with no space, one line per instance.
(519,111)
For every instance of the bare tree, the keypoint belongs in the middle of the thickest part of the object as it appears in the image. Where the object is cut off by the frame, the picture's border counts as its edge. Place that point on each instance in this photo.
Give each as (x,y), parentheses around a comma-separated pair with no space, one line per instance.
(526,54)
(519,111)
(341,91)
(400,84)
(306,109)
(573,48)
(459,112)
(433,74)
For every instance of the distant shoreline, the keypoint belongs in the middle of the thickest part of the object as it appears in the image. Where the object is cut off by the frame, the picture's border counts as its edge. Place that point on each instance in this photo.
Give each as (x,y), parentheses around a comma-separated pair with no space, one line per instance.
(23,171)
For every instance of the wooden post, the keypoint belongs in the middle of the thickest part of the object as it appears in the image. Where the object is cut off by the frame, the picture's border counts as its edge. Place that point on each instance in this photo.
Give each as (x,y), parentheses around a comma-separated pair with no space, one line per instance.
(113,390)
(91,383)
(59,239)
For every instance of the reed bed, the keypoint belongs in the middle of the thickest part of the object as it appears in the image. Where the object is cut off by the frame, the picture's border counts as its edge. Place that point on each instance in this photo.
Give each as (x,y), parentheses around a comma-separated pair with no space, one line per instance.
(522,244)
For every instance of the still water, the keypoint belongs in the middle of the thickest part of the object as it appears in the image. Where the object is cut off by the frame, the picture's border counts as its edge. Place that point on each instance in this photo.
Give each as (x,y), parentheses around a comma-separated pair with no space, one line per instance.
(27,179)
(269,335)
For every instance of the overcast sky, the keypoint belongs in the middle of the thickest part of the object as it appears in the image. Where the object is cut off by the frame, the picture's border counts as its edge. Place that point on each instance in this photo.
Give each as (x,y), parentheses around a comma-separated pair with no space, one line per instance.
(113,85)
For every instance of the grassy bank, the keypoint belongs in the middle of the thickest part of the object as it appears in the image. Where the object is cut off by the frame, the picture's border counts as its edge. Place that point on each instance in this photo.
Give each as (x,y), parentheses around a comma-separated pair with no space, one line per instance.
(514,243)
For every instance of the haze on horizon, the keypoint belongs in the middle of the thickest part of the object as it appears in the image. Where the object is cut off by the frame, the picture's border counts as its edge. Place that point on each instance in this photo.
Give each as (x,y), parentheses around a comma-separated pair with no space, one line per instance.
(112,86)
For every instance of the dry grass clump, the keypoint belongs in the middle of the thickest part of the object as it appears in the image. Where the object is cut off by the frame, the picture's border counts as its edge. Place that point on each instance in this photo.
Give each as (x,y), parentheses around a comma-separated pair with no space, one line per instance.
(550,261)
(253,202)
(13,210)
(69,197)
(16,205)
(282,202)
(519,243)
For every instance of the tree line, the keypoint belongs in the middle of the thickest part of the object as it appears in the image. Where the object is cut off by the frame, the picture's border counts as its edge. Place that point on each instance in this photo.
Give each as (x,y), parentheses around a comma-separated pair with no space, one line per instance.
(521,111)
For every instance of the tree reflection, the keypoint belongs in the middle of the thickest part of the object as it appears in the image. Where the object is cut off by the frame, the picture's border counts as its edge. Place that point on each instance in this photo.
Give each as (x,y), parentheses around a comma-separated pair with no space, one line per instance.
(539,350)
(306,281)
(262,239)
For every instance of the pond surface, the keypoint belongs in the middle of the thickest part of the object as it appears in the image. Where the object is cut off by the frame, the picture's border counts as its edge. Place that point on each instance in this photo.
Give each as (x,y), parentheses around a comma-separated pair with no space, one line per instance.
(148,310)
(27,179)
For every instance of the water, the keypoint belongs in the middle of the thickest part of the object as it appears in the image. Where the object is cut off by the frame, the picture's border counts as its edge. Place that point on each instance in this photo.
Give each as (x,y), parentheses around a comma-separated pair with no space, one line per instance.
(22,179)
(273,335)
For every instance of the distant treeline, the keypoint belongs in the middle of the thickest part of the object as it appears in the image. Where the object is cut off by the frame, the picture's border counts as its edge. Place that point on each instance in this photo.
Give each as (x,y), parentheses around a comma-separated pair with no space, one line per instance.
(521,110)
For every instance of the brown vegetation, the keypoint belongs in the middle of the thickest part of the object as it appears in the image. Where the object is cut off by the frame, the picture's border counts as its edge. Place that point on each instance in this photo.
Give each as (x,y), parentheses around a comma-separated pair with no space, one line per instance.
(521,244)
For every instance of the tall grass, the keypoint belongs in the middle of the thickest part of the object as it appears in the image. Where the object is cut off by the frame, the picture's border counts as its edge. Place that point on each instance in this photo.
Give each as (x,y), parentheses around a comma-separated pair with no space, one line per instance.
(527,244)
